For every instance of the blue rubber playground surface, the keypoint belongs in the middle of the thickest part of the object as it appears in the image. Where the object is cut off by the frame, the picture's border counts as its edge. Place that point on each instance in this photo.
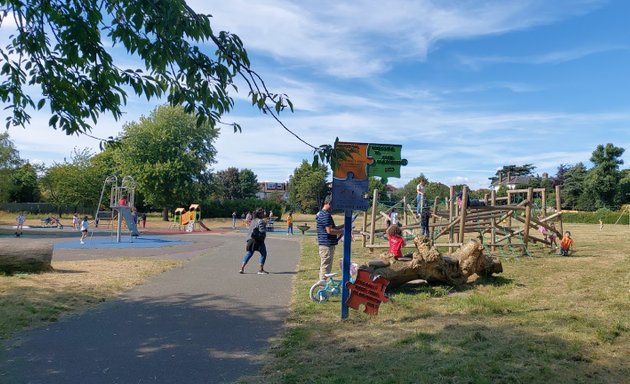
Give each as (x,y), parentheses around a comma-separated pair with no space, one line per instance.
(125,242)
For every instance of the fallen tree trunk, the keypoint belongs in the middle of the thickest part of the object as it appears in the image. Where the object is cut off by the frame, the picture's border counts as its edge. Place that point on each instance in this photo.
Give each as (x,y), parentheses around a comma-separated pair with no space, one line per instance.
(20,255)
(428,264)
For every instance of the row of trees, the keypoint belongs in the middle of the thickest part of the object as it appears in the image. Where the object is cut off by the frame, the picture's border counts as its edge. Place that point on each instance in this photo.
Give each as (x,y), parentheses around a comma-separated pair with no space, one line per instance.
(603,186)
(168,155)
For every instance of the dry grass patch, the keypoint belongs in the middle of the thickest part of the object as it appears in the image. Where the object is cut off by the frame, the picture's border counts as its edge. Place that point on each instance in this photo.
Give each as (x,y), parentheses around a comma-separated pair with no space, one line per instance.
(546,319)
(33,299)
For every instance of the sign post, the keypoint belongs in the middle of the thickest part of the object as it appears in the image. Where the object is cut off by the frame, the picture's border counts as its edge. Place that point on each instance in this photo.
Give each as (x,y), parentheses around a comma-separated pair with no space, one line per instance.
(350,185)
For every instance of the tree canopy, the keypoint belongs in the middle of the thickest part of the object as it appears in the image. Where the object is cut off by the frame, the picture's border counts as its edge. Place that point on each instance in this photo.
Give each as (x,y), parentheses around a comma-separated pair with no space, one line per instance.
(307,187)
(232,184)
(59,46)
(168,155)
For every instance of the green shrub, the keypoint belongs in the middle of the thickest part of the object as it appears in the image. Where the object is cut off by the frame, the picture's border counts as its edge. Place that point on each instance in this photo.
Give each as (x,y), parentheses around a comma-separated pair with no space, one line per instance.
(607,217)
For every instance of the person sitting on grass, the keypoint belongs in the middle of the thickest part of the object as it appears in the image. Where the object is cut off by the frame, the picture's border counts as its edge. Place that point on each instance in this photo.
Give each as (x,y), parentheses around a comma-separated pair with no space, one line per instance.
(396,242)
(565,244)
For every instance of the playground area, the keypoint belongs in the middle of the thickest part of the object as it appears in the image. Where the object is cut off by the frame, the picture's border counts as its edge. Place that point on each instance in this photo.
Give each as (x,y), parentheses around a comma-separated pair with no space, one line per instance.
(506,226)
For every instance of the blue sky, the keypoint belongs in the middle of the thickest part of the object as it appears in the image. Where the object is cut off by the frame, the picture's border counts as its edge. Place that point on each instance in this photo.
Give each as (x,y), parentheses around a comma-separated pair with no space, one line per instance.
(465,86)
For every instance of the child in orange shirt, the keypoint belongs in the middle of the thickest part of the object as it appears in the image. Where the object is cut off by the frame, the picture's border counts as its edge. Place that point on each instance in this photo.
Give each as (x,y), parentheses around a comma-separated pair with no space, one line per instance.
(566,243)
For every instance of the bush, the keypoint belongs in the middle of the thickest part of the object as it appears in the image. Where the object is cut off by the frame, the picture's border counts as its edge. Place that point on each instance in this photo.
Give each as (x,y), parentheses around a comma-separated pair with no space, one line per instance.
(216,208)
(607,217)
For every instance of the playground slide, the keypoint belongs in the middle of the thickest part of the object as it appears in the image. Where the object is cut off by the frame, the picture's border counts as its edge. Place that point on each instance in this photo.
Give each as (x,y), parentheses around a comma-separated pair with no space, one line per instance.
(133,228)
(202,225)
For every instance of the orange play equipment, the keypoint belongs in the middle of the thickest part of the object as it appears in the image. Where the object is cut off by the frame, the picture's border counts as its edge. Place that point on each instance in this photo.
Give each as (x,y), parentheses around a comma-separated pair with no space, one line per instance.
(192,216)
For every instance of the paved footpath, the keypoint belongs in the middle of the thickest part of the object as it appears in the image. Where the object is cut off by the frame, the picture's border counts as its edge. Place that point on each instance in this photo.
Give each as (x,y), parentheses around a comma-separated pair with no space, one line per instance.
(202,323)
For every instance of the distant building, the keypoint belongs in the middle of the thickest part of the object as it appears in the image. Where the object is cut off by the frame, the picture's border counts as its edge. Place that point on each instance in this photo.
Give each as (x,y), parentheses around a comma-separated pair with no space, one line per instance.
(266,188)
(390,190)
(511,182)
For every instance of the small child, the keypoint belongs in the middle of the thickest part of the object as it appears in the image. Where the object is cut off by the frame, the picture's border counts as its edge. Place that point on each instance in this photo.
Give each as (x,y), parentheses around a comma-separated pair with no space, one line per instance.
(85,227)
(424,221)
(565,244)
(396,242)
(75,221)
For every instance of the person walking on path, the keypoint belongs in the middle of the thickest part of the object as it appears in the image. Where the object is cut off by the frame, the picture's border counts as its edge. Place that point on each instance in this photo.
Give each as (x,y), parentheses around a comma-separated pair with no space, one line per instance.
(419,197)
(256,241)
(85,227)
(327,237)
(290,223)
(20,219)
(234,220)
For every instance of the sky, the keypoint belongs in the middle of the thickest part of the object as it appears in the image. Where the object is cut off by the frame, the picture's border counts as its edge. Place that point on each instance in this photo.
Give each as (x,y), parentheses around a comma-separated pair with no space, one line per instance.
(464,86)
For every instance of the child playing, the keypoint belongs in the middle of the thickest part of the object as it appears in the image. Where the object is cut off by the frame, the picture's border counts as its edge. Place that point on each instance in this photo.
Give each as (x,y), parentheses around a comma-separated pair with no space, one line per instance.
(85,226)
(424,221)
(565,244)
(396,242)
(75,221)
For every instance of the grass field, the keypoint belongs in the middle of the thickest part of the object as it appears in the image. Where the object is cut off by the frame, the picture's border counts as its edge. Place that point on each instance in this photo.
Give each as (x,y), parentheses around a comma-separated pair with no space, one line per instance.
(545,319)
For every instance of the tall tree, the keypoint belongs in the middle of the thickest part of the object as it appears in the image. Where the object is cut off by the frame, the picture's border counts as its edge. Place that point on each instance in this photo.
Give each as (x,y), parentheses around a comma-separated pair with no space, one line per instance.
(602,182)
(248,183)
(168,155)
(9,161)
(377,184)
(573,186)
(25,188)
(307,187)
(61,47)
(227,184)
(72,183)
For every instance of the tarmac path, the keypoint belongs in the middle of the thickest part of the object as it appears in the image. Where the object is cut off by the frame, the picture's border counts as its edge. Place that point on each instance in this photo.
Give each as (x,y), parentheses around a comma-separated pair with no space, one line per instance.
(201,323)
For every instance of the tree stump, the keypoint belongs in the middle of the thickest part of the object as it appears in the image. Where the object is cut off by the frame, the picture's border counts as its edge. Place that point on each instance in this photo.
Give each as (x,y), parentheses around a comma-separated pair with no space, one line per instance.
(25,255)
(428,264)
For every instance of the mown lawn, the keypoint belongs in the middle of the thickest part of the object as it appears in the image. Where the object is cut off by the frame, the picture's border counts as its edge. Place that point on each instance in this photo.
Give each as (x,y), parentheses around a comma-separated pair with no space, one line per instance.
(545,319)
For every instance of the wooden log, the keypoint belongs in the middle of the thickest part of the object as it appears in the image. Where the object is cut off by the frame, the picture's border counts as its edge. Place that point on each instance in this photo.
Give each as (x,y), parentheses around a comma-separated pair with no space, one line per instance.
(25,255)
(430,265)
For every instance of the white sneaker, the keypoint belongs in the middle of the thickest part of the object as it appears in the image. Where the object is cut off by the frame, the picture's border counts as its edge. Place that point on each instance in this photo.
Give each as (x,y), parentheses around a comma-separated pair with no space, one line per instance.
(82,242)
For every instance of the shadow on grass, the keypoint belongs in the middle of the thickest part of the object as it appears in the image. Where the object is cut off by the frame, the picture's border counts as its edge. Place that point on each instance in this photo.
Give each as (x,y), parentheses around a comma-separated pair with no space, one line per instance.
(437,290)
(463,352)
(67,271)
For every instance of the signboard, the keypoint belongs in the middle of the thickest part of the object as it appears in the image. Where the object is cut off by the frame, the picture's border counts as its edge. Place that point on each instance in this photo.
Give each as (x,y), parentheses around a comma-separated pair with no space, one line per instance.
(350,185)
(350,179)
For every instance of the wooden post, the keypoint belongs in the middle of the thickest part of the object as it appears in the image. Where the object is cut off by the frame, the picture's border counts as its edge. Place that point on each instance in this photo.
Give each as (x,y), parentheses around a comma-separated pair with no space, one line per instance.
(509,202)
(462,215)
(404,209)
(493,202)
(451,194)
(528,214)
(544,202)
(364,241)
(374,202)
(559,207)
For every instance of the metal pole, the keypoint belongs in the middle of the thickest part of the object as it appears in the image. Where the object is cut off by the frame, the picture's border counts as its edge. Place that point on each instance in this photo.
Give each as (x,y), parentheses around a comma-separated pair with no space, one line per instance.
(345,265)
